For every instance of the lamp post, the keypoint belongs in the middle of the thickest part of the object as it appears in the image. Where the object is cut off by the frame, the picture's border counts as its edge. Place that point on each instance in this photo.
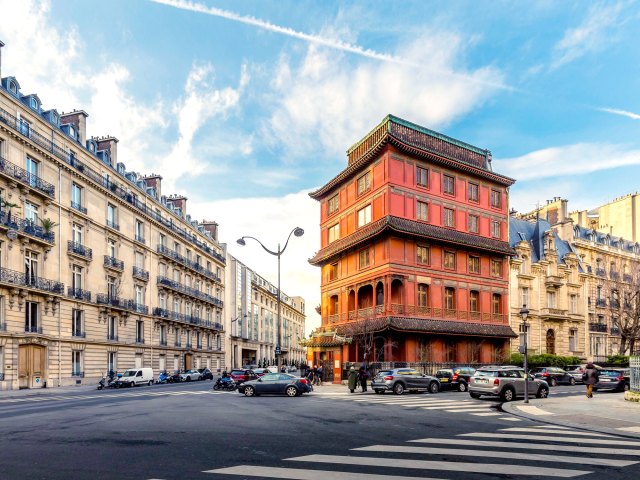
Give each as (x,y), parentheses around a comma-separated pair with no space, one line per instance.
(524,312)
(298,232)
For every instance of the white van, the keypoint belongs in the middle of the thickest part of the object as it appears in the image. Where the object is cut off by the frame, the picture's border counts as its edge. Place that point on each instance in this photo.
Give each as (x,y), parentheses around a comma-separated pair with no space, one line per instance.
(136,376)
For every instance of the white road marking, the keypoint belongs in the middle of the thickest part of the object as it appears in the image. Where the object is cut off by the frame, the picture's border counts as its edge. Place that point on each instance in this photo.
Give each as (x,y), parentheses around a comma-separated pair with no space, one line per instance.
(510,419)
(485,414)
(554,430)
(545,438)
(533,410)
(305,474)
(629,429)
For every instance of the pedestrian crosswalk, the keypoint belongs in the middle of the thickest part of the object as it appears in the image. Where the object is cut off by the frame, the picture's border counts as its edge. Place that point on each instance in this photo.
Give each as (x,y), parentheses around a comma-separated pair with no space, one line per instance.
(543,451)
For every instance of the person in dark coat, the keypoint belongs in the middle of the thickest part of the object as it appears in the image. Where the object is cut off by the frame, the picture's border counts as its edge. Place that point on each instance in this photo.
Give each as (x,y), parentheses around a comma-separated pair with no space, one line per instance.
(363,376)
(591,376)
(353,379)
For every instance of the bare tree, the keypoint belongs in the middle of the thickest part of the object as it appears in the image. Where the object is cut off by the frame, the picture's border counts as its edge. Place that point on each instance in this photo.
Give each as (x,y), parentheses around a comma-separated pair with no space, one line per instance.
(623,302)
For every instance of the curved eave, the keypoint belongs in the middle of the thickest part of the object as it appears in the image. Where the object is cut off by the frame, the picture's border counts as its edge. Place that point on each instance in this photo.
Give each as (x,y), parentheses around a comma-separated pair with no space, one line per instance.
(414,228)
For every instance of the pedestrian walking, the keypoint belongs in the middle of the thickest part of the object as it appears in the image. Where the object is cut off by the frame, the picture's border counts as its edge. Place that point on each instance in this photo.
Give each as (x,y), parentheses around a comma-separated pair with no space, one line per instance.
(310,376)
(315,375)
(363,375)
(590,377)
(353,379)
(320,375)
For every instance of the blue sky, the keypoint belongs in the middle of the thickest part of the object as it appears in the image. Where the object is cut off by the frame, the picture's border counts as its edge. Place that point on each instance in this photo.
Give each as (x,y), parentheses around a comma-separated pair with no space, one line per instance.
(246,106)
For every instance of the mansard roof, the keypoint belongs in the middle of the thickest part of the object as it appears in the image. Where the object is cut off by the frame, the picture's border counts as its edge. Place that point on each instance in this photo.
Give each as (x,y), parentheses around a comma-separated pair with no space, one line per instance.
(582,233)
(411,227)
(418,141)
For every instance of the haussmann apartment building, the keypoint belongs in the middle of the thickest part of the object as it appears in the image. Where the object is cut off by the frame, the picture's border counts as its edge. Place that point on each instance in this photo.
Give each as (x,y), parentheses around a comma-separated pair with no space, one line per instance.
(98,270)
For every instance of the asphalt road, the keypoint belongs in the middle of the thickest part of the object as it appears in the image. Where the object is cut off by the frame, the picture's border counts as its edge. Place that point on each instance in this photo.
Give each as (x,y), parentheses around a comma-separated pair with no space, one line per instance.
(188,432)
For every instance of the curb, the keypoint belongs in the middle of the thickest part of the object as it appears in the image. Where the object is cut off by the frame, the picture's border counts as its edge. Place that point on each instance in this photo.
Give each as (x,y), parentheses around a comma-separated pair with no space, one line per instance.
(511,410)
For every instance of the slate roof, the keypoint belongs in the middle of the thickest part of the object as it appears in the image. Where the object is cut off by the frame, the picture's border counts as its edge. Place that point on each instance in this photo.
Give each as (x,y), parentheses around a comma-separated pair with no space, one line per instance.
(589,234)
(533,233)
(411,227)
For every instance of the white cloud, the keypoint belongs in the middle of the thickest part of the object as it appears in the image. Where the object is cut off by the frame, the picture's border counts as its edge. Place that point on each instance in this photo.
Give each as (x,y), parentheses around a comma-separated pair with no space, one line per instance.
(327,103)
(595,33)
(624,113)
(577,159)
(270,220)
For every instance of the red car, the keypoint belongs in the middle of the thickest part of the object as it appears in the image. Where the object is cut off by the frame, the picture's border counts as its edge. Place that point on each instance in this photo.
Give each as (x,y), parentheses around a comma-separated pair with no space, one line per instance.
(240,375)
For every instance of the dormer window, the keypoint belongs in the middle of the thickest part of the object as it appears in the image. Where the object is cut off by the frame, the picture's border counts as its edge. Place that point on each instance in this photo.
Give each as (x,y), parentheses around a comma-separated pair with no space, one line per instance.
(13,87)
(33,103)
(72,131)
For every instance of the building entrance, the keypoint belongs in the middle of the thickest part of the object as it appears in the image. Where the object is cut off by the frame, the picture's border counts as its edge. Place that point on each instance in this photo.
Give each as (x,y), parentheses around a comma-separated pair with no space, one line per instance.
(31,366)
(188,361)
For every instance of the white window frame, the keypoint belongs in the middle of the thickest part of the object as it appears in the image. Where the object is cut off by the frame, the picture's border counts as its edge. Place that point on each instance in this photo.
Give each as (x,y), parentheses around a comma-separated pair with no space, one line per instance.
(364,216)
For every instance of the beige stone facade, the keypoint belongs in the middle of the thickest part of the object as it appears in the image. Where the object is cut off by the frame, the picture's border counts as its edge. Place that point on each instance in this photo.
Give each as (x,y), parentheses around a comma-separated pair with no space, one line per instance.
(620,217)
(98,270)
(252,306)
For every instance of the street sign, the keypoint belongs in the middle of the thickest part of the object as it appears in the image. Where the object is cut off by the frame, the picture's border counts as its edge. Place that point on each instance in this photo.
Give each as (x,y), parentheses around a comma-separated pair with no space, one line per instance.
(278,350)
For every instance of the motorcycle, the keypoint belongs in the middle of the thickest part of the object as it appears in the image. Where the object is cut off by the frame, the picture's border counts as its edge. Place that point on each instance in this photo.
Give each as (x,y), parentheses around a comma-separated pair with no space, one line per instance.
(108,381)
(163,377)
(225,383)
(175,378)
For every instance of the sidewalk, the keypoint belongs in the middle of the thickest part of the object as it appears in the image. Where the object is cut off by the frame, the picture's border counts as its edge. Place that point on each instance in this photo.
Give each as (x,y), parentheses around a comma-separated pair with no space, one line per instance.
(606,412)
(30,392)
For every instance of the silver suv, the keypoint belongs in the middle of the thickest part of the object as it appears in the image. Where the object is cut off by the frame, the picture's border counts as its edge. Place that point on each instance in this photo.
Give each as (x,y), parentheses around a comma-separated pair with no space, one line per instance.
(506,383)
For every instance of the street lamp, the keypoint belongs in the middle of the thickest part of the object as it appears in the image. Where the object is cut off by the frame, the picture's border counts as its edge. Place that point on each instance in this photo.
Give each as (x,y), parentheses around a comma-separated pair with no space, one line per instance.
(524,312)
(298,232)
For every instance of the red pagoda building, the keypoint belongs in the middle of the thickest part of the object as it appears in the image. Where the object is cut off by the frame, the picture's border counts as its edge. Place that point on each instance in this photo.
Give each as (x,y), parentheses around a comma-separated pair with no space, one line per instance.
(414,253)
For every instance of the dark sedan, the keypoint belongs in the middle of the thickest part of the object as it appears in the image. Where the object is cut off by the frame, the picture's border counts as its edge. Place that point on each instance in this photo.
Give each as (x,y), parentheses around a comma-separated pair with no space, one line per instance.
(205,374)
(613,379)
(275,384)
(456,378)
(553,375)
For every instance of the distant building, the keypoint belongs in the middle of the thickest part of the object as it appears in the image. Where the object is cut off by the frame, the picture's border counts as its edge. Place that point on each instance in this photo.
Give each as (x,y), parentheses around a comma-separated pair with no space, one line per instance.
(414,253)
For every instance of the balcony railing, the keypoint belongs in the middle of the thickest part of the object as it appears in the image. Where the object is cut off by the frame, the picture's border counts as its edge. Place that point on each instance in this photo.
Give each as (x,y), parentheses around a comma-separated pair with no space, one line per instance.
(615,331)
(32,329)
(601,302)
(26,227)
(178,287)
(191,319)
(614,275)
(45,142)
(140,239)
(78,207)
(140,274)
(188,344)
(29,281)
(418,311)
(138,307)
(553,312)
(76,248)
(113,224)
(119,303)
(627,278)
(598,327)
(176,257)
(114,263)
(21,175)
(601,272)
(79,294)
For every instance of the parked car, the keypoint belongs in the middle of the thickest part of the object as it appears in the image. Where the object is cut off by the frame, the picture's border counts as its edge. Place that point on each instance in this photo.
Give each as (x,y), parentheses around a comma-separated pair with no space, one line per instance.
(456,378)
(240,375)
(400,380)
(506,383)
(275,384)
(135,376)
(553,375)
(576,371)
(617,379)
(190,375)
(205,374)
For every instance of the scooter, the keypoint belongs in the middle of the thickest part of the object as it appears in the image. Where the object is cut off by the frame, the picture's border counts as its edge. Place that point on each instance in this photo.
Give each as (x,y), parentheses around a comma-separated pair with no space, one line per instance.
(108,381)
(225,383)
(163,377)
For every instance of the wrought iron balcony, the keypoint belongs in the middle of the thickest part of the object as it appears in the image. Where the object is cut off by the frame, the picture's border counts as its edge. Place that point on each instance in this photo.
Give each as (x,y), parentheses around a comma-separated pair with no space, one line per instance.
(26,227)
(601,272)
(614,275)
(140,239)
(116,302)
(26,178)
(615,331)
(112,337)
(113,224)
(627,278)
(196,267)
(178,287)
(191,319)
(601,302)
(32,329)
(80,250)
(79,294)
(78,207)
(30,281)
(141,274)
(113,263)
(138,307)
(598,327)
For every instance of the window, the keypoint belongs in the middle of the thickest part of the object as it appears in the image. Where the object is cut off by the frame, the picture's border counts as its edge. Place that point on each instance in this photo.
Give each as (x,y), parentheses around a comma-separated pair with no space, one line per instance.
(364,183)
(333,271)
(573,304)
(449,217)
(32,170)
(473,223)
(76,363)
(496,199)
(496,303)
(112,364)
(495,229)
(473,192)
(76,323)
(76,196)
(474,264)
(364,260)
(450,298)
(139,331)
(163,334)
(333,204)
(31,266)
(364,216)
(162,301)
(76,277)
(139,231)
(551,299)
(573,339)
(31,323)
(449,260)
(448,184)
(524,297)
(423,295)
(423,254)
(112,328)
(496,268)
(162,269)
(31,212)
(139,259)
(112,287)
(474,301)
(139,295)
(112,250)
(112,216)
(77,233)
(162,239)
(334,232)
(422,177)
(422,212)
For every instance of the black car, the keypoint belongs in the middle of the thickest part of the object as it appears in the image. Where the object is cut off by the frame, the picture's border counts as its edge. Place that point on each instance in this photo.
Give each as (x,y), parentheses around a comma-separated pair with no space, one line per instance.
(553,375)
(613,379)
(275,384)
(455,378)
(205,374)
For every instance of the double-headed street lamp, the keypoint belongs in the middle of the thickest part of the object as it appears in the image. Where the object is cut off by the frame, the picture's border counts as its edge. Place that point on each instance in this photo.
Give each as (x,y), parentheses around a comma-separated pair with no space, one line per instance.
(524,312)
(298,232)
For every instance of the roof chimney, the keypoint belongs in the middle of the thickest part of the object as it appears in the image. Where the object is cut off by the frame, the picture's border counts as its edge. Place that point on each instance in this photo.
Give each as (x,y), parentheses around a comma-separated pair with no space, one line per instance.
(211,227)
(77,118)
(178,201)
(111,145)
(153,181)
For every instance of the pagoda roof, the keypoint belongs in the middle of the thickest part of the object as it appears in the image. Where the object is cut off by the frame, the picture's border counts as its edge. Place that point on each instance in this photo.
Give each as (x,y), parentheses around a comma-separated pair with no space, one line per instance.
(418,141)
(400,225)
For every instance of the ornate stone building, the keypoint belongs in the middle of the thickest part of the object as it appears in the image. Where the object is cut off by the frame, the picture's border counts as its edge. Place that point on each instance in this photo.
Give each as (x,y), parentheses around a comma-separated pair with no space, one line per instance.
(98,270)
